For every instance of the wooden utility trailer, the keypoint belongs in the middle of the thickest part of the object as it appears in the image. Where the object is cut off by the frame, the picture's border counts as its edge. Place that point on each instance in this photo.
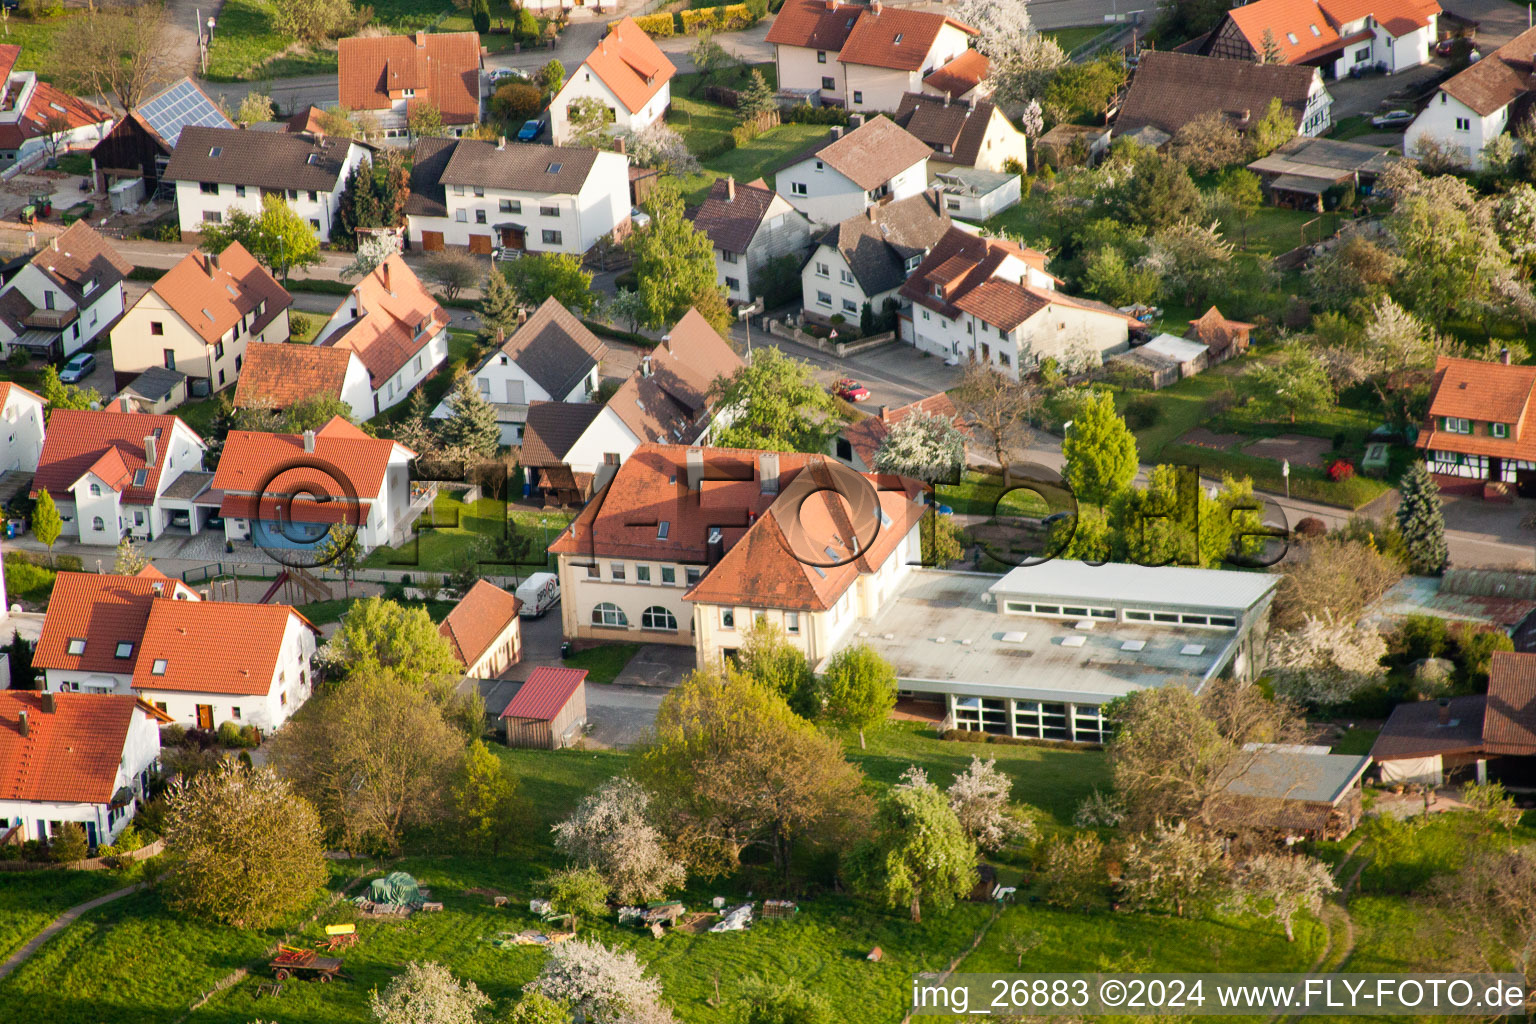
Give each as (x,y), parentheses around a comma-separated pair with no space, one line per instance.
(292,962)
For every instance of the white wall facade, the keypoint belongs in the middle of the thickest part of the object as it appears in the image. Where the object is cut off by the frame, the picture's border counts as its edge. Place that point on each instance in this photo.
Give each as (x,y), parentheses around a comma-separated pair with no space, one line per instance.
(141,752)
(618,583)
(827,197)
(585,84)
(553,222)
(1058,331)
(862,87)
(604,435)
(291,685)
(98,310)
(90,498)
(21,431)
(504,383)
(801,68)
(195,206)
(962,206)
(1459,129)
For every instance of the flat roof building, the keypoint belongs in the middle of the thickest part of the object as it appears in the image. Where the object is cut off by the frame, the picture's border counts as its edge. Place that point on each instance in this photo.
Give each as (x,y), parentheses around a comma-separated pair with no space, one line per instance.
(1036,652)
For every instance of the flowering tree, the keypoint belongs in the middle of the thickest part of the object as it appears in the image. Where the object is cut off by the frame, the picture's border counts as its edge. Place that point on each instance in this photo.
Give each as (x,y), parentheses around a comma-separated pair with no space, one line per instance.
(1022,60)
(601,985)
(1327,660)
(611,832)
(1169,868)
(662,147)
(979,798)
(925,446)
(1281,886)
(426,993)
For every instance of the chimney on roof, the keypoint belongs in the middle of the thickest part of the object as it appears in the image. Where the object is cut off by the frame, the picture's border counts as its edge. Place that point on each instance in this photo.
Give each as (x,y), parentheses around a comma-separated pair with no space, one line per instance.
(1504,355)
(837,131)
(695,468)
(874,6)
(384,276)
(936,196)
(49,702)
(22,725)
(149,450)
(645,366)
(768,472)
(421,39)
(855,121)
(55,243)
(1445,710)
(124,404)
(869,211)
(947,95)
(880,411)
(832,5)
(620,146)
(213,264)
(309,442)
(501,144)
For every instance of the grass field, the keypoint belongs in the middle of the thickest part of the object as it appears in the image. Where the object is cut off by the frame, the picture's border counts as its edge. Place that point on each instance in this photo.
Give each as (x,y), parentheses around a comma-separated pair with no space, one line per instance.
(457,528)
(31,899)
(603,663)
(36,41)
(1070,39)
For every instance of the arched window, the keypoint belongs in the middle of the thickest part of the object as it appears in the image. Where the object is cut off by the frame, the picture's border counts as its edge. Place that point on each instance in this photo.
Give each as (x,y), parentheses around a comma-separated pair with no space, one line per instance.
(98,523)
(95,490)
(657,617)
(609,614)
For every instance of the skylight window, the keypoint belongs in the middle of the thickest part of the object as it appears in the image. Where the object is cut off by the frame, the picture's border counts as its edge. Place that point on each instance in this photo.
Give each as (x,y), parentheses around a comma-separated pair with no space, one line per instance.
(159,667)
(139,477)
(663,529)
(216,152)
(314,158)
(76,645)
(1315,31)
(1134,645)
(1192,650)
(1292,37)
(1073,641)
(554,168)
(124,650)
(898,37)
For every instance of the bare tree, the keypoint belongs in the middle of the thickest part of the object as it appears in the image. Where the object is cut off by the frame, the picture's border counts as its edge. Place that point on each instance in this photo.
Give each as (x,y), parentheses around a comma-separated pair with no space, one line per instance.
(1281,886)
(455,271)
(119,55)
(1488,906)
(998,408)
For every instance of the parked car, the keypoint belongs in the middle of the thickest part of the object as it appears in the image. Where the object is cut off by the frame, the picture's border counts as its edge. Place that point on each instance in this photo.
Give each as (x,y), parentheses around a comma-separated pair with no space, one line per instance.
(539,593)
(508,74)
(530,130)
(1445,47)
(850,390)
(78,368)
(639,219)
(1054,518)
(1393,119)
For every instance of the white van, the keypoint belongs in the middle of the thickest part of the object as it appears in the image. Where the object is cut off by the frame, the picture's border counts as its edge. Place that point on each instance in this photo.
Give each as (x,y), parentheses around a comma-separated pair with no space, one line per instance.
(539,593)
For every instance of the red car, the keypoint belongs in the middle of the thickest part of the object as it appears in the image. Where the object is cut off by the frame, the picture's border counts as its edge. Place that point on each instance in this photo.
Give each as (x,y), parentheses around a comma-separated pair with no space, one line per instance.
(850,390)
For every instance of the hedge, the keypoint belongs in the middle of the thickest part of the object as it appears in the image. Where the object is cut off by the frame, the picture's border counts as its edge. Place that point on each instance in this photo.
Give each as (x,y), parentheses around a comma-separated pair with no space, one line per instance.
(728,17)
(804,113)
(618,333)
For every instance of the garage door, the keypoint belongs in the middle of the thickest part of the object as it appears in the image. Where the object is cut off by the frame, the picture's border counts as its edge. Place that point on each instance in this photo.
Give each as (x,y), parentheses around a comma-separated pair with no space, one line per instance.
(432,241)
(480,244)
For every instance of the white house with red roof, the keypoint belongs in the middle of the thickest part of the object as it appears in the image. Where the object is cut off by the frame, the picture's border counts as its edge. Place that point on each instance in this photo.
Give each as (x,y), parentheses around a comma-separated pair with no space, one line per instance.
(396,328)
(201,663)
(1479,434)
(992,300)
(22,427)
(37,119)
(74,758)
(627,73)
(67,294)
(113,473)
(485,631)
(864,56)
(690,545)
(287,490)
(1337,36)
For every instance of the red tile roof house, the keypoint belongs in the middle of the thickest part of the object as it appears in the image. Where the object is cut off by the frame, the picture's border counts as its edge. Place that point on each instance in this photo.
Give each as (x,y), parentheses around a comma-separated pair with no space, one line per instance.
(627,73)
(549,710)
(1334,35)
(688,545)
(485,631)
(67,294)
(858,442)
(307,482)
(1477,105)
(200,662)
(863,56)
(26,136)
(71,757)
(867,164)
(1480,437)
(396,328)
(280,376)
(199,318)
(388,76)
(114,472)
(992,300)
(572,448)
(21,440)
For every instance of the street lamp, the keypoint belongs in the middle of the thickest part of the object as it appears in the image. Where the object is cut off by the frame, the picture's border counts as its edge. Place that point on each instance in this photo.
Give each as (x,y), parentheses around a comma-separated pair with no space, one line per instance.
(745,315)
(1285,471)
(544,525)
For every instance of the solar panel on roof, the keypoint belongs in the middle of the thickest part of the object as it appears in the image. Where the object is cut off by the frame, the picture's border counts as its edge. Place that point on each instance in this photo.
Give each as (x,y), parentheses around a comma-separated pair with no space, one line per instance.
(181,105)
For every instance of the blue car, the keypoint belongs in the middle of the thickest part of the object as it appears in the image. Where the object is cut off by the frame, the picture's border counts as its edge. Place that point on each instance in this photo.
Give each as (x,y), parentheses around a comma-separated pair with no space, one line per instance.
(530,130)
(78,368)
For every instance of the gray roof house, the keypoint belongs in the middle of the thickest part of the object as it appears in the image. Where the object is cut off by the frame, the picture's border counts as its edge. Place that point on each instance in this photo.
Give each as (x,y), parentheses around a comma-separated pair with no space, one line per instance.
(750,226)
(552,357)
(867,257)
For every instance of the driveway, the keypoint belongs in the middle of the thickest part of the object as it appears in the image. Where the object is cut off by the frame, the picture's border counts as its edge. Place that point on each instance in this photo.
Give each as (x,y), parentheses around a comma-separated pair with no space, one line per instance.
(1498,21)
(1375,93)
(620,716)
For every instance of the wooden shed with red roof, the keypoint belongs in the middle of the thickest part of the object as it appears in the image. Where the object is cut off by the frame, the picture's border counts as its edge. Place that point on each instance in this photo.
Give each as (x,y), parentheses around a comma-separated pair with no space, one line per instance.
(549,710)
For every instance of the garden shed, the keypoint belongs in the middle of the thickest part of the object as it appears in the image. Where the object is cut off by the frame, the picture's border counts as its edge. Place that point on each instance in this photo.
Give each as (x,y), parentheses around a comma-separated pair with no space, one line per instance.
(549,710)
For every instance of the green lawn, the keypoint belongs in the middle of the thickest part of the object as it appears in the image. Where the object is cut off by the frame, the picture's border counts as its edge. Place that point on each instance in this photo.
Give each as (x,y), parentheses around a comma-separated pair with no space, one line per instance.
(984,494)
(1351,127)
(28,583)
(457,528)
(1070,39)
(246,47)
(31,899)
(35,39)
(602,663)
(1048,777)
